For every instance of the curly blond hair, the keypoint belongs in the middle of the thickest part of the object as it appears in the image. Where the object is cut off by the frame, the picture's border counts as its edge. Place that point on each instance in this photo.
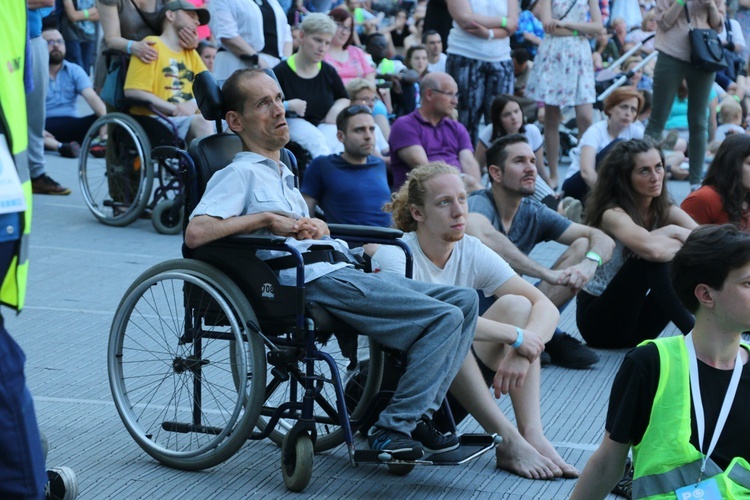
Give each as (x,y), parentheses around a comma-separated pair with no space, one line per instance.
(413,192)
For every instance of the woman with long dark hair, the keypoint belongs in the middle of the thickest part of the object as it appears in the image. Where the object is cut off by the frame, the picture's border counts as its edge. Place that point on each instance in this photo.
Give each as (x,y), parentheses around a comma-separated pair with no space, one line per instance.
(630,298)
(725,194)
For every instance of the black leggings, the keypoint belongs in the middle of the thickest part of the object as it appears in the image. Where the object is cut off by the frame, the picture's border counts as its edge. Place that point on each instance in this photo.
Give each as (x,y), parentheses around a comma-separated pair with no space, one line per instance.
(637,305)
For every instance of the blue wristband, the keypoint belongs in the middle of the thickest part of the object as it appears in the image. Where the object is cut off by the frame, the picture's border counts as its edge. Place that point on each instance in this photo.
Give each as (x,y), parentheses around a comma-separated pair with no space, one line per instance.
(127,49)
(519,339)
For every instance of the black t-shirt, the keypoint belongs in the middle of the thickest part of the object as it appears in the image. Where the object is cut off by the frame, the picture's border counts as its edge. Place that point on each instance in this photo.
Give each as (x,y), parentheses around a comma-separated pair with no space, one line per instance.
(269,30)
(320,92)
(633,392)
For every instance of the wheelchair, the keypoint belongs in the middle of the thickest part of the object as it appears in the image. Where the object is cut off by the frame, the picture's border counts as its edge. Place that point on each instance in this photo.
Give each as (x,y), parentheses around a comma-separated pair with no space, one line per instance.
(210,351)
(121,180)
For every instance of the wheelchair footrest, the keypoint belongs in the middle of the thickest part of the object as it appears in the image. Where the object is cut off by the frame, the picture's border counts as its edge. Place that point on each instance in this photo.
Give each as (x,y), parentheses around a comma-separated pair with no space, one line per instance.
(471,446)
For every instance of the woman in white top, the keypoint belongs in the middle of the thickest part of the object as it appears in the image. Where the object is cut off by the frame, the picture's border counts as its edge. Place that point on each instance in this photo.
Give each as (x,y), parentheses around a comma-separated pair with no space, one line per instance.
(622,108)
(507,118)
(247,28)
(479,55)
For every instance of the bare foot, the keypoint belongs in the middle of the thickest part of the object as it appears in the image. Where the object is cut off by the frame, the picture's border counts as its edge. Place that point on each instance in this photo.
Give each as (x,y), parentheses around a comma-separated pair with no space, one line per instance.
(519,457)
(545,448)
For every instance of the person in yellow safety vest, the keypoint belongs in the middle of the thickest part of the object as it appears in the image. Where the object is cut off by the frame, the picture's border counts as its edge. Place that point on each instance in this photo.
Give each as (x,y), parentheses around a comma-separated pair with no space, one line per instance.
(22,468)
(681,403)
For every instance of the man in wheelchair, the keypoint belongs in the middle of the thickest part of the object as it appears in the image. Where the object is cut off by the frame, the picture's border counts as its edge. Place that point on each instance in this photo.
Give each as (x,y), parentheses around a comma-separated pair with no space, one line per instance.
(432,324)
(167,83)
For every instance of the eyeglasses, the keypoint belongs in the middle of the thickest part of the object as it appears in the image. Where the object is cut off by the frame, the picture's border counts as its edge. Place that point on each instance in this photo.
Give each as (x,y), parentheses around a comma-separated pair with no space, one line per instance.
(368,100)
(343,27)
(356,110)
(450,95)
(59,41)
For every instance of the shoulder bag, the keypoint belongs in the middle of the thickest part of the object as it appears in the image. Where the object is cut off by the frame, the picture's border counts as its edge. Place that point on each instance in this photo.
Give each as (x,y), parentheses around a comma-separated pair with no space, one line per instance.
(706,52)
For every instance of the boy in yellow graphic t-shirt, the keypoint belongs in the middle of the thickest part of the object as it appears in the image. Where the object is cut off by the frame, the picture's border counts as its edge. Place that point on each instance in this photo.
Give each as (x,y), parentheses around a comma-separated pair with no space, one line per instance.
(167,83)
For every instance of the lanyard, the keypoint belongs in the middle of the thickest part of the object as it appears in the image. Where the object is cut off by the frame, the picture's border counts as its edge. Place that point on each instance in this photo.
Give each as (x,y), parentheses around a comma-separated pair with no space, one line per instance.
(698,402)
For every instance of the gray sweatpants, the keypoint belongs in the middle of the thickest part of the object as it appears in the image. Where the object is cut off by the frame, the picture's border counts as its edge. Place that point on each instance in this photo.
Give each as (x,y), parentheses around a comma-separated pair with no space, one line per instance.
(433,324)
(35,106)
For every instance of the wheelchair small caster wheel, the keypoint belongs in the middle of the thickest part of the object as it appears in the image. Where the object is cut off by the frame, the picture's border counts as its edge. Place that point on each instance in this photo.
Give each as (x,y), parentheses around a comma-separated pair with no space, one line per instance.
(400,469)
(385,456)
(297,461)
(166,218)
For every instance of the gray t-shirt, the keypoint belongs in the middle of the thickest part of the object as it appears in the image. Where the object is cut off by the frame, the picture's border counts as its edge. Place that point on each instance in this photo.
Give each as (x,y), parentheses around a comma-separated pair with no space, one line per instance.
(532,224)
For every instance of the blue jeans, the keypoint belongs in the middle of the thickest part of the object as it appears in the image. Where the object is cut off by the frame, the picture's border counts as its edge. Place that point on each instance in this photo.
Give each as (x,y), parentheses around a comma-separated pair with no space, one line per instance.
(22,470)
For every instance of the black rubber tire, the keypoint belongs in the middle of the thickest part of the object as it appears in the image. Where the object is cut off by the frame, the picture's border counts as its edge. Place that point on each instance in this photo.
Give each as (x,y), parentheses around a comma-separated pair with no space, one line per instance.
(156,359)
(129,178)
(164,221)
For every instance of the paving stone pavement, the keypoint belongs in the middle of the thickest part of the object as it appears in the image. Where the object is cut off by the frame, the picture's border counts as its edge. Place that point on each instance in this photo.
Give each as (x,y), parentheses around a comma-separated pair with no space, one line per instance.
(80,270)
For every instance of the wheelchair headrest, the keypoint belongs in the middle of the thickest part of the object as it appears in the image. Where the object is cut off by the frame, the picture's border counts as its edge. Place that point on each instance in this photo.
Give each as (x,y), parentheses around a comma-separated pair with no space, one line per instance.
(208,96)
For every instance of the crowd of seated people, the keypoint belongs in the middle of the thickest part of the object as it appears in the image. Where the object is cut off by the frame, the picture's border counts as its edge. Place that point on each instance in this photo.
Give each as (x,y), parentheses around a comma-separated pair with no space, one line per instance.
(367,93)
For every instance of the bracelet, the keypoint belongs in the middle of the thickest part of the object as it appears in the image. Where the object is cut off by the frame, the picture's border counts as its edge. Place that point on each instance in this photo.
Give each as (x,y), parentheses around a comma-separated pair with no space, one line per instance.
(490,34)
(595,257)
(681,2)
(128,48)
(575,32)
(519,339)
(86,13)
(503,22)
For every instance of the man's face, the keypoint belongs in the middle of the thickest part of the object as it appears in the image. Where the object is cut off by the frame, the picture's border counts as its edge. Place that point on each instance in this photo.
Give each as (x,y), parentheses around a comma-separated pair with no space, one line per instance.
(732,302)
(315,45)
(377,46)
(262,123)
(444,99)
(359,138)
(434,45)
(55,45)
(444,212)
(519,174)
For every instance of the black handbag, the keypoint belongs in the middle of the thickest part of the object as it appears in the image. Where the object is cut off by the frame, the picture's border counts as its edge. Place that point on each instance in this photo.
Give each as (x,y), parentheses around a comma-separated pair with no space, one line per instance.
(706,52)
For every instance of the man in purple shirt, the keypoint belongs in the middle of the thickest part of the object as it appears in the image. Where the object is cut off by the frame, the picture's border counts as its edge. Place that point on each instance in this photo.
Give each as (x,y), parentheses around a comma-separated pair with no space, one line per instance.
(430,134)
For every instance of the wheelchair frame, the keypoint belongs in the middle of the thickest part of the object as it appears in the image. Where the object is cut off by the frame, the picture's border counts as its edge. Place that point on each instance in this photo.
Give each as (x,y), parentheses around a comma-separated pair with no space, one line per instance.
(189,333)
(120,188)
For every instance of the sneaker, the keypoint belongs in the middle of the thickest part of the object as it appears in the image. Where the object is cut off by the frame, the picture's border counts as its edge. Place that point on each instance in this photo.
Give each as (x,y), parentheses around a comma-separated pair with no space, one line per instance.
(545,359)
(62,484)
(401,446)
(568,352)
(44,184)
(69,149)
(624,487)
(432,439)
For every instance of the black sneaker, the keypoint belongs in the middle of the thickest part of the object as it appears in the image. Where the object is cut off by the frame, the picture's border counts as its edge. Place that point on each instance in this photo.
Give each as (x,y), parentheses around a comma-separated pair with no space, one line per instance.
(62,484)
(624,488)
(400,445)
(545,359)
(70,149)
(568,352)
(432,439)
(44,184)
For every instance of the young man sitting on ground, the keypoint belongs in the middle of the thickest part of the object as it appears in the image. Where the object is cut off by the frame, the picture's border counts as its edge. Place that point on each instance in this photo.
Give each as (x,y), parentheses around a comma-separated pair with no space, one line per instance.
(506,219)
(432,324)
(167,83)
(350,187)
(431,208)
(681,403)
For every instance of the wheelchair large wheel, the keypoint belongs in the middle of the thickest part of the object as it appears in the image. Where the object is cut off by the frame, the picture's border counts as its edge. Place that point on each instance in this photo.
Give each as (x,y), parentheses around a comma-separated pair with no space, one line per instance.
(170,364)
(116,177)
(361,383)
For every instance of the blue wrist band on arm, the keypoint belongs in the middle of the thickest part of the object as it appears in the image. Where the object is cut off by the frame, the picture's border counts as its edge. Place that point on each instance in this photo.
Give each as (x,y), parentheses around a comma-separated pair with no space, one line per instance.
(130,45)
(519,339)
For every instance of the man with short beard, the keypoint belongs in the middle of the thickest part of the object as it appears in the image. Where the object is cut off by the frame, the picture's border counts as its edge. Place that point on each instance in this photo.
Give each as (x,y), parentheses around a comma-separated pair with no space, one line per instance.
(352,186)
(64,129)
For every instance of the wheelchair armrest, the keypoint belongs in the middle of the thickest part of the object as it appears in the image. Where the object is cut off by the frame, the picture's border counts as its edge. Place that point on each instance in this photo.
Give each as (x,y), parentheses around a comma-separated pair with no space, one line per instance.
(254,240)
(350,230)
